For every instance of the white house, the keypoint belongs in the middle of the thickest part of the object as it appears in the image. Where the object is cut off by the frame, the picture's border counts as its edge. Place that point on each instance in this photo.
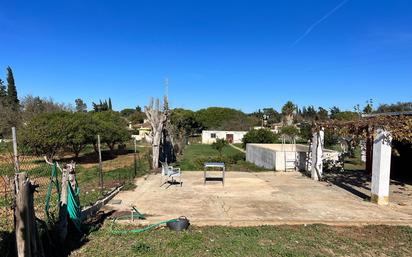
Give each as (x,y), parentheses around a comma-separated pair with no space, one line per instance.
(210,136)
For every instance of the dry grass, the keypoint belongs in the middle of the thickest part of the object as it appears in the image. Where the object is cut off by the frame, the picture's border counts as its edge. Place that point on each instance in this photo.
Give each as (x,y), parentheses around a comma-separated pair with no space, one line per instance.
(120,161)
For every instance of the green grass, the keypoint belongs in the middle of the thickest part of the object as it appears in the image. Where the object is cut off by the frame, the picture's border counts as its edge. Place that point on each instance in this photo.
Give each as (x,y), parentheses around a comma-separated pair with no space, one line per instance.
(194,156)
(311,240)
(88,180)
(354,163)
(240,145)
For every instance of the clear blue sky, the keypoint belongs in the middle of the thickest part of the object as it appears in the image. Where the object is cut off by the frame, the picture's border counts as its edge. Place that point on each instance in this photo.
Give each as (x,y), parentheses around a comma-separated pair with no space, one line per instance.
(241,54)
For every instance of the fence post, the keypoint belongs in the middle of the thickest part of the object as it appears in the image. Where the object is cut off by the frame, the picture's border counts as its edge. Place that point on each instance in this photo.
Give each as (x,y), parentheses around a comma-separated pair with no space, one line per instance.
(27,238)
(100,164)
(135,161)
(21,215)
(15,152)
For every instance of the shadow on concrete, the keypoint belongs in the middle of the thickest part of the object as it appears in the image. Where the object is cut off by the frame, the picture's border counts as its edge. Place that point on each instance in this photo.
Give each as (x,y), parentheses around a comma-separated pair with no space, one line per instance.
(358,182)
(353,181)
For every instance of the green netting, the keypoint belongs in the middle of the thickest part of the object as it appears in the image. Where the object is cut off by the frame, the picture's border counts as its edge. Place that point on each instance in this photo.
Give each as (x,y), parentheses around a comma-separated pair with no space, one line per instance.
(53,182)
(73,205)
(73,200)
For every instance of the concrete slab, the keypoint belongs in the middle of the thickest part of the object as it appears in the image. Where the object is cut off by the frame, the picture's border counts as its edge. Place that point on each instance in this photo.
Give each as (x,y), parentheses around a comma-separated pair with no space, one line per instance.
(251,199)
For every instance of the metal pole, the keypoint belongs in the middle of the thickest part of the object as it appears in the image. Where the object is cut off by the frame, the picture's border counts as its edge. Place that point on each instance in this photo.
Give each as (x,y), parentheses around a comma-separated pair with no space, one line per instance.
(135,161)
(15,153)
(100,163)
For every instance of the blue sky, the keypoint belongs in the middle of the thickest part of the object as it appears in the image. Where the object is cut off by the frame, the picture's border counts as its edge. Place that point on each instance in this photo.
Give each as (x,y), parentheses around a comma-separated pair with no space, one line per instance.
(240,54)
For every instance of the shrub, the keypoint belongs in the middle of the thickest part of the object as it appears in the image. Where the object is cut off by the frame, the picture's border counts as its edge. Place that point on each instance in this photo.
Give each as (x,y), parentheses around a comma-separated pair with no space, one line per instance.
(259,136)
(238,157)
(219,145)
(201,160)
(289,131)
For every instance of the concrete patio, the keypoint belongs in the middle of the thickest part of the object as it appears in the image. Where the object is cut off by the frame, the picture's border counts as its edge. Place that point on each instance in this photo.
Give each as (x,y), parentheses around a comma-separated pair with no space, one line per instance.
(251,199)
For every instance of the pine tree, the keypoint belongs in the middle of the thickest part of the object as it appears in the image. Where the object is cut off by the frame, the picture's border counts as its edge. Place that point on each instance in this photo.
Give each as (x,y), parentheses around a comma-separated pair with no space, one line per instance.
(11,88)
(110,104)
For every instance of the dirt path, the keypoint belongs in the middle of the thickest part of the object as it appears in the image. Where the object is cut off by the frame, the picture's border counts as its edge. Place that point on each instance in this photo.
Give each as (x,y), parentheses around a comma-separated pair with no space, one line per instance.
(237,148)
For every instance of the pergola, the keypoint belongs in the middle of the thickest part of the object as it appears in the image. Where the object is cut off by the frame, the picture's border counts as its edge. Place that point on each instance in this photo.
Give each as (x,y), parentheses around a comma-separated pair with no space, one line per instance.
(378,130)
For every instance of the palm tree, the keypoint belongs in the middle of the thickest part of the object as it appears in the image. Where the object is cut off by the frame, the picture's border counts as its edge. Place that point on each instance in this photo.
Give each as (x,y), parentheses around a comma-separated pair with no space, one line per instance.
(288,111)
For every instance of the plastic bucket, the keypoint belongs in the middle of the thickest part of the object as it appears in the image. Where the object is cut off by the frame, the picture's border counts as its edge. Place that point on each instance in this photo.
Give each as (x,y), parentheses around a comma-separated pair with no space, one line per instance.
(182,223)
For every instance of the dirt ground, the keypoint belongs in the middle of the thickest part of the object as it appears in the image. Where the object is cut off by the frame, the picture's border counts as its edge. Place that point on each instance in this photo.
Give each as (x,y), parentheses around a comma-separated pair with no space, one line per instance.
(261,198)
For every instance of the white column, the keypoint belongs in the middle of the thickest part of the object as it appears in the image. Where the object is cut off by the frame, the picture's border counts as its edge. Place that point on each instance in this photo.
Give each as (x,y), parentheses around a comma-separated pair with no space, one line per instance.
(314,146)
(381,167)
(319,154)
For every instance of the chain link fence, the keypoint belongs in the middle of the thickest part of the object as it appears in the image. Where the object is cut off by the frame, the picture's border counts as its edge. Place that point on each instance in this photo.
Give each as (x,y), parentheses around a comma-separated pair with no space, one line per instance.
(6,190)
(117,167)
(39,172)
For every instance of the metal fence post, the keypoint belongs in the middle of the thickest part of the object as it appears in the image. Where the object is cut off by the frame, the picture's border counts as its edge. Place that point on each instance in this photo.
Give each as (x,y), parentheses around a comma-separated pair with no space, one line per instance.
(100,163)
(135,161)
(15,152)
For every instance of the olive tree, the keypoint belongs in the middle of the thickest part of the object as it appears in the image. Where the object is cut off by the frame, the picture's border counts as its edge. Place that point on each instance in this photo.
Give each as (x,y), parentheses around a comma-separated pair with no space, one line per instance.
(111,127)
(80,131)
(46,134)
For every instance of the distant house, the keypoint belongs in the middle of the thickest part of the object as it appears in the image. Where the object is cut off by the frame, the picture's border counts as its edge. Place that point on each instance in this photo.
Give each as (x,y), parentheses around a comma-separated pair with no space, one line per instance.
(276,127)
(210,136)
(143,129)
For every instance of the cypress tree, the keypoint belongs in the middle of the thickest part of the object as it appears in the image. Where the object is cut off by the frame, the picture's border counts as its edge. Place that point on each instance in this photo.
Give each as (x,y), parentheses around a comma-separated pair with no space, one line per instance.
(3,92)
(11,88)
(110,104)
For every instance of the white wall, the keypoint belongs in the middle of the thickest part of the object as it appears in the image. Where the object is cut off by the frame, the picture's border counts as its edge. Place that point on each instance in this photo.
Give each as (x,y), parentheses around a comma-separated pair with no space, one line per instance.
(260,156)
(272,156)
(207,136)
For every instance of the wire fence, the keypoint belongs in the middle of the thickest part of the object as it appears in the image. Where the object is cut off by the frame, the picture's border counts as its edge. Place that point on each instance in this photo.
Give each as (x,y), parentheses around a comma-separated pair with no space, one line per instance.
(117,167)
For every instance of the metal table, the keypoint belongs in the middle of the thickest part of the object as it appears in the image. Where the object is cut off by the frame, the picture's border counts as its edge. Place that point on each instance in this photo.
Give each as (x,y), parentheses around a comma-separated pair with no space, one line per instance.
(220,165)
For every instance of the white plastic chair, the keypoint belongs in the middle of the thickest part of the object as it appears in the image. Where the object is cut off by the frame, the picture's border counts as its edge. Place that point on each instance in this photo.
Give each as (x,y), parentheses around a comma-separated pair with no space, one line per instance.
(170,173)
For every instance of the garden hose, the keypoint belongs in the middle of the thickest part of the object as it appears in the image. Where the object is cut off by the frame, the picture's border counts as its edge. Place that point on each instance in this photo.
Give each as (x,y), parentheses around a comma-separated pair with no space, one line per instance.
(124,231)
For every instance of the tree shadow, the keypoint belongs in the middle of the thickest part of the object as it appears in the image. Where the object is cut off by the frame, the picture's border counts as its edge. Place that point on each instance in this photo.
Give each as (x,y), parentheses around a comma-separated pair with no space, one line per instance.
(358,182)
(92,157)
(75,239)
(353,181)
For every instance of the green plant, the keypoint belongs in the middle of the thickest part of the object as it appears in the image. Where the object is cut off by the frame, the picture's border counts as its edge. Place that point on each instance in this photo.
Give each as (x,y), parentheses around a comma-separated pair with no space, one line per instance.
(289,131)
(219,145)
(259,136)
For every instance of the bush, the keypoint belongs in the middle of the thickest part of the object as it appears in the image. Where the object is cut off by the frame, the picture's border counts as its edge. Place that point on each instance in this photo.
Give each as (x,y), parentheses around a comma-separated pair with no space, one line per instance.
(219,145)
(50,133)
(238,157)
(262,136)
(199,162)
(289,131)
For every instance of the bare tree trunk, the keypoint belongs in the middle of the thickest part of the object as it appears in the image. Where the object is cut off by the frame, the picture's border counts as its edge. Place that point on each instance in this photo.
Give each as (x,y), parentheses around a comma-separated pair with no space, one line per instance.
(157,119)
(61,225)
(27,238)
(21,215)
(156,149)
